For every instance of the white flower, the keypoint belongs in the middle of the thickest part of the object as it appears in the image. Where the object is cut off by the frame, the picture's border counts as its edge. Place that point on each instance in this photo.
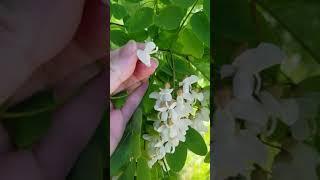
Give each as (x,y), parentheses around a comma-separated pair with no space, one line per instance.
(201,117)
(186,84)
(306,123)
(183,108)
(244,105)
(247,66)
(144,55)
(163,95)
(154,149)
(235,153)
(197,95)
(164,103)
(173,132)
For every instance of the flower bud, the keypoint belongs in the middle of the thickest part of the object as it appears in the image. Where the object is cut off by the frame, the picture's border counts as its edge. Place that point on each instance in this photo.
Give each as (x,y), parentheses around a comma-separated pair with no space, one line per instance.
(167,85)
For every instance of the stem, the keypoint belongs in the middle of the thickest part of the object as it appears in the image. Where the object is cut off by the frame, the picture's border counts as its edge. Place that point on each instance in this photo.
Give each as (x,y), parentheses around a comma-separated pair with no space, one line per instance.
(185,19)
(116,24)
(156,6)
(165,166)
(146,3)
(176,53)
(269,144)
(173,70)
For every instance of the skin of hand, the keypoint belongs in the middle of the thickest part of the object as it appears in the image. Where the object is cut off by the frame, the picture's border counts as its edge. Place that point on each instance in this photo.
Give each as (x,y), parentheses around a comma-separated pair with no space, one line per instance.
(126,73)
(37,55)
(45,41)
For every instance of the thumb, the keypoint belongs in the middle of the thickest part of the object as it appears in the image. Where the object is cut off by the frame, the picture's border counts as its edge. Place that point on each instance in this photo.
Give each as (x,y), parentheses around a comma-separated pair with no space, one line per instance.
(120,118)
(122,64)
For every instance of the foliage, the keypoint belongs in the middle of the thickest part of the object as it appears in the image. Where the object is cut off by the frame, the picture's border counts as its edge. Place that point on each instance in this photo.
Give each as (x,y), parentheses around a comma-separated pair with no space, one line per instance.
(180,28)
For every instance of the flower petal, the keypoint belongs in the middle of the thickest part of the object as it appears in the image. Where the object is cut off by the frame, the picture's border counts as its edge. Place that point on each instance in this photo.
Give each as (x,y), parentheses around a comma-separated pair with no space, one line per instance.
(260,58)
(144,57)
(243,85)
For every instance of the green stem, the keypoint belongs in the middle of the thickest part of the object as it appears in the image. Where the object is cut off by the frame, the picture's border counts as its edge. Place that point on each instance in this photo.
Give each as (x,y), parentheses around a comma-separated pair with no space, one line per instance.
(118,97)
(116,24)
(173,70)
(186,18)
(165,166)
(176,53)
(146,3)
(269,144)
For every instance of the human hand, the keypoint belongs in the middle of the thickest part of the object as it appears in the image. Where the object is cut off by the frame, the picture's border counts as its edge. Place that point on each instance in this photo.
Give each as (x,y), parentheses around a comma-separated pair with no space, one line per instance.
(62,58)
(55,40)
(126,73)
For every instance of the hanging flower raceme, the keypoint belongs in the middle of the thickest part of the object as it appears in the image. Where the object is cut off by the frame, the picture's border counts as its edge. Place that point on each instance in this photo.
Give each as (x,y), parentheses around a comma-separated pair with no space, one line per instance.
(175,116)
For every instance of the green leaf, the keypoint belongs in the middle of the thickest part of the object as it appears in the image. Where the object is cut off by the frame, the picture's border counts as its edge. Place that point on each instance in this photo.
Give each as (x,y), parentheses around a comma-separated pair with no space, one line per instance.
(183,3)
(200,26)
(142,18)
(134,1)
(143,171)
(233,20)
(118,11)
(129,172)
(164,40)
(207,158)
(118,37)
(195,142)
(27,130)
(121,155)
(119,99)
(137,121)
(206,8)
(170,17)
(129,146)
(187,43)
(138,36)
(90,164)
(177,160)
(154,173)
(310,84)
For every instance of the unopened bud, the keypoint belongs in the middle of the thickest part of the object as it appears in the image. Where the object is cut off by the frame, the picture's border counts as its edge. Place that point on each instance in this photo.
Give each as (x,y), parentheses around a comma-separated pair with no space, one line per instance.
(167,85)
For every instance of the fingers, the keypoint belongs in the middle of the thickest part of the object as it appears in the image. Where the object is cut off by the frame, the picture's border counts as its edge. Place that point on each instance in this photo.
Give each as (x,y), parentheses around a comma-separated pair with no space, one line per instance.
(122,64)
(141,72)
(75,81)
(120,118)
(70,61)
(72,127)
(133,102)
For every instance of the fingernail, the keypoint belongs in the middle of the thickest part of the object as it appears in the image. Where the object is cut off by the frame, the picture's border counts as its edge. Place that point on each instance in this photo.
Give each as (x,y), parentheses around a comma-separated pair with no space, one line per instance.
(155,61)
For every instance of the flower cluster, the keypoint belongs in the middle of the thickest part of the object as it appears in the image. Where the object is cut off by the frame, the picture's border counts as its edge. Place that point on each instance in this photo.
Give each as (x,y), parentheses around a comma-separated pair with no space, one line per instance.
(239,148)
(175,115)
